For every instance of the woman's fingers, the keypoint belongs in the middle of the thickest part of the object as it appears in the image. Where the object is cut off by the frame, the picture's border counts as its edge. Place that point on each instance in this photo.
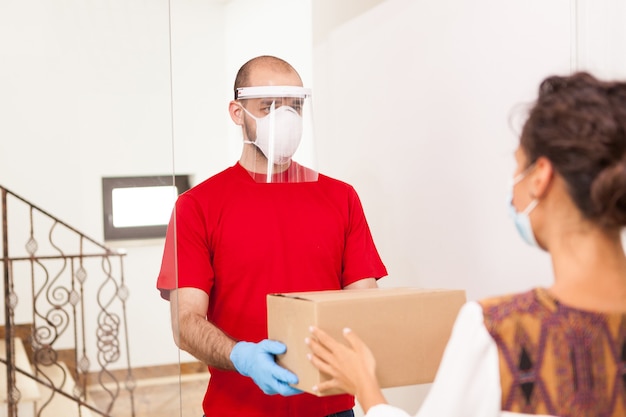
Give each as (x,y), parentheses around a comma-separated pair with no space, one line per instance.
(325,386)
(324,346)
(324,338)
(323,359)
(319,350)
(319,362)
(335,377)
(337,360)
(350,366)
(352,338)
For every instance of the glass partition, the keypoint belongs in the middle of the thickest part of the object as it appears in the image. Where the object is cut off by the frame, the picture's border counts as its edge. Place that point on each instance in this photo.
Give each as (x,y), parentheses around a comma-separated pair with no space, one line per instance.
(401,90)
(86,95)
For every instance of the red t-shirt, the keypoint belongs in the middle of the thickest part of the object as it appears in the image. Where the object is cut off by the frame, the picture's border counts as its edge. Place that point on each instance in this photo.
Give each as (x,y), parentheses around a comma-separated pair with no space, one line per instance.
(239,240)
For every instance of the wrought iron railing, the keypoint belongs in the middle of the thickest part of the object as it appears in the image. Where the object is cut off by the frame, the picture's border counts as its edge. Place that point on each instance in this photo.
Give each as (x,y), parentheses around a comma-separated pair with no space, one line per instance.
(70,291)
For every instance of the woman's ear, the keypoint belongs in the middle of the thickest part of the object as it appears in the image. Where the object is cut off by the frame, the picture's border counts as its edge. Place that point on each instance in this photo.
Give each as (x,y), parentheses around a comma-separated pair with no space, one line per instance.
(236,112)
(541,177)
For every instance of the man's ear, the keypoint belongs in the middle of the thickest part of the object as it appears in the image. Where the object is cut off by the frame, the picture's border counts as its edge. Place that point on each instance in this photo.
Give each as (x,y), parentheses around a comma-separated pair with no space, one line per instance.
(236,112)
(541,177)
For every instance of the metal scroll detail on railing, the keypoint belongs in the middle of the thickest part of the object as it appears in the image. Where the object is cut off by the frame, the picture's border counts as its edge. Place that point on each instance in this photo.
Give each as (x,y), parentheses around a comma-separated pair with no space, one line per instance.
(71,290)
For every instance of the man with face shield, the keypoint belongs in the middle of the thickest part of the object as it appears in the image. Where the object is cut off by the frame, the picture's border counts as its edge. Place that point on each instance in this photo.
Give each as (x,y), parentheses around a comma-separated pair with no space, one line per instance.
(270,223)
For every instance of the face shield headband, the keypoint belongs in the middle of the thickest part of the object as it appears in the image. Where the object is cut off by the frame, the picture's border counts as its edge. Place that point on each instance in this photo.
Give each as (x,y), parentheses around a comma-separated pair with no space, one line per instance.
(269,91)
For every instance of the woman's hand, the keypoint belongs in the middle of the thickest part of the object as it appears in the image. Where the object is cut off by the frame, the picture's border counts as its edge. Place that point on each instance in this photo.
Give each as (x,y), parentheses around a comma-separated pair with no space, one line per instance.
(351,368)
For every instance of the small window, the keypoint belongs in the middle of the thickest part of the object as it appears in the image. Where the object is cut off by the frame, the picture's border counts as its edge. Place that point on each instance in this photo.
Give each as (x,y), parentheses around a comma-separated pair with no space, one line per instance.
(139,207)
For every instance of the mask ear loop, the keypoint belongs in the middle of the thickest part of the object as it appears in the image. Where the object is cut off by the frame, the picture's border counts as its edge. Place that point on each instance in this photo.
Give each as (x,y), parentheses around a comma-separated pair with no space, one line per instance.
(530,207)
(523,174)
(248,141)
(519,177)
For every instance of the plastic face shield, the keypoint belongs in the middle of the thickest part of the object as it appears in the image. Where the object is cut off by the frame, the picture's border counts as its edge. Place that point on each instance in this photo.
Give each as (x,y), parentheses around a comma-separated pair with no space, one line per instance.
(278,127)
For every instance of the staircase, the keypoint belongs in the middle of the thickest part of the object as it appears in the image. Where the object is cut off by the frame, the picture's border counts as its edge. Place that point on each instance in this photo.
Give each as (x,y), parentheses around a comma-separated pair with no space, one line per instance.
(28,388)
(34,396)
(68,291)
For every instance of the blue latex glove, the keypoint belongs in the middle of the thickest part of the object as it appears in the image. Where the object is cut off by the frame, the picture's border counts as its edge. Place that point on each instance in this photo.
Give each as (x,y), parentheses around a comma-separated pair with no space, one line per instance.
(257,361)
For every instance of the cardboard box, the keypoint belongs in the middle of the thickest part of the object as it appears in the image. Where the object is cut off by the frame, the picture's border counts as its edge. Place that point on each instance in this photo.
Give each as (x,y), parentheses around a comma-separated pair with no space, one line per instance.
(407,329)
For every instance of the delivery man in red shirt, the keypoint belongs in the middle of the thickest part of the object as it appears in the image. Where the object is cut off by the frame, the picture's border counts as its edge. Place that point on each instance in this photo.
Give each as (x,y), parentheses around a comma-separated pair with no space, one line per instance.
(267,224)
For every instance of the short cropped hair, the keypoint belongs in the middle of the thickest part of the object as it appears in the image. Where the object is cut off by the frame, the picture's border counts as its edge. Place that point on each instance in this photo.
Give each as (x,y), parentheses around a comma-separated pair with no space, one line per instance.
(243,75)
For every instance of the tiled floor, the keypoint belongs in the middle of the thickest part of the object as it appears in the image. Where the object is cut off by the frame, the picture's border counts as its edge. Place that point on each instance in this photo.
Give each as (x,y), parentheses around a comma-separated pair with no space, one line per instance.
(158,397)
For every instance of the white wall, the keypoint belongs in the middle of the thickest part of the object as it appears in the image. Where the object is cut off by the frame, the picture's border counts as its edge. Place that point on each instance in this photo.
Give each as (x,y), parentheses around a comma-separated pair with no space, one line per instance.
(413,104)
(601,36)
(85,92)
(85,89)
(272,27)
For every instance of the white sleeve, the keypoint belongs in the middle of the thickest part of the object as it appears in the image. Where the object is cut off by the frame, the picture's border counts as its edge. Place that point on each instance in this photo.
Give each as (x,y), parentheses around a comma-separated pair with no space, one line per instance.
(468,379)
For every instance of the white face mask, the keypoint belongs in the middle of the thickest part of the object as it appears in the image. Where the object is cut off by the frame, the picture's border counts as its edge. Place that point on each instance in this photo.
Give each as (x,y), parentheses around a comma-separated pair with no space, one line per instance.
(278,134)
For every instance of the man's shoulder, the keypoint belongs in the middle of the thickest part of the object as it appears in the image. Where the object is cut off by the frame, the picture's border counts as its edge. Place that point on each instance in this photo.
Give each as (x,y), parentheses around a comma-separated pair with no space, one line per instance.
(328,181)
(218,180)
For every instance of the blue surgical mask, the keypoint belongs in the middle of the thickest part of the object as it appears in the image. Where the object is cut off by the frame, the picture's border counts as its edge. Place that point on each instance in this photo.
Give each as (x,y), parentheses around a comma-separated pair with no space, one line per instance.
(522,219)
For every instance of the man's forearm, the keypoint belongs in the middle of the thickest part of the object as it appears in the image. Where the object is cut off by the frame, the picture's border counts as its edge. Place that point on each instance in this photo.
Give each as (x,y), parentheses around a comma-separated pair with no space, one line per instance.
(362,284)
(205,341)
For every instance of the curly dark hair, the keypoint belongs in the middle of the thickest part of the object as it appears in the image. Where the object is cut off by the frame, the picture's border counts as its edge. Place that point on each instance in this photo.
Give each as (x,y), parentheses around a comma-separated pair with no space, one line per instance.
(579,123)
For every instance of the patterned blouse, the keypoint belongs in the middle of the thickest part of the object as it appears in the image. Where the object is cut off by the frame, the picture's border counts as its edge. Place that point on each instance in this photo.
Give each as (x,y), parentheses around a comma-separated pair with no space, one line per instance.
(528,354)
(558,360)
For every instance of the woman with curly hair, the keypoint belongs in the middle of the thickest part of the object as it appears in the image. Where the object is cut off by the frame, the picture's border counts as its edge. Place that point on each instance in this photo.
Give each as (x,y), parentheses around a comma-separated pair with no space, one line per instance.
(559,350)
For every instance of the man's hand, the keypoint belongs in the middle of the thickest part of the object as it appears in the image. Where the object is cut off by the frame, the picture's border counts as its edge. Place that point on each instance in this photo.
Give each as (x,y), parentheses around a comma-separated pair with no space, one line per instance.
(257,361)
